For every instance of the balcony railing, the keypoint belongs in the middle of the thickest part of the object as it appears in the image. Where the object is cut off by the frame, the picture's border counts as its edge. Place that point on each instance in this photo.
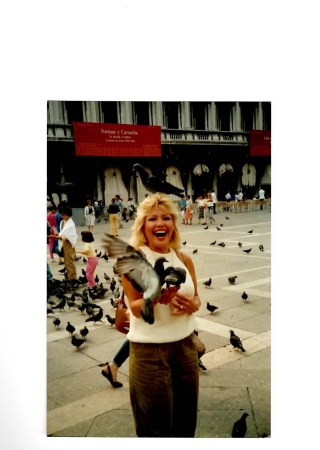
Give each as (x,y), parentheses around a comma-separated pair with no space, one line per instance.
(64,132)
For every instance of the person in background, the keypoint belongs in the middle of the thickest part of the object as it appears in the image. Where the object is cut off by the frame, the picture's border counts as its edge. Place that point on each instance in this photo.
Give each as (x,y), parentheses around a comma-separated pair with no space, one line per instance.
(113,210)
(188,214)
(261,197)
(58,219)
(240,196)
(92,259)
(228,199)
(67,240)
(209,208)
(182,207)
(201,206)
(89,216)
(52,222)
(163,364)
(119,202)
(214,201)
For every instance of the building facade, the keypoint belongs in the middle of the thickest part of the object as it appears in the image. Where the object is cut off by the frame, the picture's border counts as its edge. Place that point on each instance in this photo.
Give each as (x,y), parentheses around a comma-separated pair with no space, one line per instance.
(204,146)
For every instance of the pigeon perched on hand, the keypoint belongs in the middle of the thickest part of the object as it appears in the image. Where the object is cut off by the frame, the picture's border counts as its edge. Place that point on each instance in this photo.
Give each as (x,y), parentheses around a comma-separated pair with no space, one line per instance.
(235,341)
(174,276)
(207,283)
(155,184)
(136,268)
(211,308)
(239,428)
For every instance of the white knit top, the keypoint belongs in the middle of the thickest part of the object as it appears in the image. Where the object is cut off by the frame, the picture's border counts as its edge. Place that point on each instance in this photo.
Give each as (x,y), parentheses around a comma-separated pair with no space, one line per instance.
(166,327)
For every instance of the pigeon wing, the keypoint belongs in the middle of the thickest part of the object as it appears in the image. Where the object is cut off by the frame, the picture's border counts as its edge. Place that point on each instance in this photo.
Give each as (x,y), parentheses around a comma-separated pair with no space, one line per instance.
(116,247)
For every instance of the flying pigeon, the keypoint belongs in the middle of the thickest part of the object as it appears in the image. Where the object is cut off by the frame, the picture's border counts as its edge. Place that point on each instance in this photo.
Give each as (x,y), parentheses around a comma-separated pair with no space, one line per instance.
(239,428)
(211,308)
(207,283)
(248,250)
(244,296)
(261,248)
(232,280)
(235,341)
(77,342)
(84,331)
(154,184)
(213,243)
(138,270)
(70,328)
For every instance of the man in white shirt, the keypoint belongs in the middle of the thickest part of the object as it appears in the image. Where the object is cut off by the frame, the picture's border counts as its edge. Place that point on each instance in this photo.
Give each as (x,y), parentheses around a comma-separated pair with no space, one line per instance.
(214,201)
(261,197)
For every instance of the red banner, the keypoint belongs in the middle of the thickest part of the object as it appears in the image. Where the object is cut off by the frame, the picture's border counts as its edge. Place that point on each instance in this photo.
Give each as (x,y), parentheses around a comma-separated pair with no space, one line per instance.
(106,139)
(260,143)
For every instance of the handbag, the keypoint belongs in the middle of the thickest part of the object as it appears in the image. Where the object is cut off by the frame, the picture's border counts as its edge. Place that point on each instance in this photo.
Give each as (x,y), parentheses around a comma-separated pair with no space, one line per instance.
(122,321)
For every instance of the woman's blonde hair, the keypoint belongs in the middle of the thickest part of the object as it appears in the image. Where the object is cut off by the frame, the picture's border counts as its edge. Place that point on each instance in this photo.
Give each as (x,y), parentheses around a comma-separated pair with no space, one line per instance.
(138,237)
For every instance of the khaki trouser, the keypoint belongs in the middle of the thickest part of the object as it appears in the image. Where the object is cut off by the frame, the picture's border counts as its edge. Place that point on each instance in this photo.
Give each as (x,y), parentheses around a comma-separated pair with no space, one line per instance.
(114,222)
(69,258)
(164,386)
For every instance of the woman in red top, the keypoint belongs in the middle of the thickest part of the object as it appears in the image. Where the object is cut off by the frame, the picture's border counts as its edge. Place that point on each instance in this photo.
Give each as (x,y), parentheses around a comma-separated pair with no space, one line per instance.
(52,222)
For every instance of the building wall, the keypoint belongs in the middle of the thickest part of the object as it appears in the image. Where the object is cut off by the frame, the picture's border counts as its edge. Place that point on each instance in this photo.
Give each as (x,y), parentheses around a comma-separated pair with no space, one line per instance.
(214,134)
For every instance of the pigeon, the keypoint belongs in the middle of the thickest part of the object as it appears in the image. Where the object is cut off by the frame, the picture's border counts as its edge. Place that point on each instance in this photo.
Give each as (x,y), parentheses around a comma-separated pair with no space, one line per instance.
(71,304)
(250,232)
(207,283)
(219,229)
(211,308)
(96,317)
(232,280)
(155,184)
(201,365)
(105,257)
(50,311)
(235,341)
(70,328)
(84,260)
(239,428)
(173,276)
(63,270)
(56,322)
(110,319)
(222,244)
(195,251)
(84,332)
(184,243)
(213,243)
(261,248)
(135,267)
(77,342)
(106,277)
(244,296)
(205,228)
(99,255)
(227,218)
(60,305)
(221,224)
(240,244)
(96,279)
(248,250)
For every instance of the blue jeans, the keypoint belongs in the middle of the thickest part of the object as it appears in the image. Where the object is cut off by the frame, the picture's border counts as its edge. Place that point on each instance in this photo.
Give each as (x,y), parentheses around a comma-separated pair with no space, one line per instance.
(122,354)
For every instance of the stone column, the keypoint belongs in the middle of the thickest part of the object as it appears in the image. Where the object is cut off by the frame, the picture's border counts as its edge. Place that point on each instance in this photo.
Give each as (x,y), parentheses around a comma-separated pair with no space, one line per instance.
(185,115)
(212,116)
(258,117)
(125,113)
(55,112)
(91,112)
(236,116)
(156,113)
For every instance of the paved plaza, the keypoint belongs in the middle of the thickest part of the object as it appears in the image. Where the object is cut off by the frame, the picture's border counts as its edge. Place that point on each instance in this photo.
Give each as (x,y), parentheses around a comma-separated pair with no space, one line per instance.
(80,402)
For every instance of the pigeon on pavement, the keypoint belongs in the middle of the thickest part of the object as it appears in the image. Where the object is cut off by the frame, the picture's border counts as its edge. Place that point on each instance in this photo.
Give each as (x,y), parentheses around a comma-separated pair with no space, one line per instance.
(110,319)
(248,250)
(211,308)
(235,341)
(261,248)
(222,244)
(84,332)
(195,251)
(77,342)
(184,243)
(56,322)
(70,328)
(232,280)
(250,232)
(244,296)
(213,243)
(96,317)
(155,184)
(207,283)
(240,244)
(239,428)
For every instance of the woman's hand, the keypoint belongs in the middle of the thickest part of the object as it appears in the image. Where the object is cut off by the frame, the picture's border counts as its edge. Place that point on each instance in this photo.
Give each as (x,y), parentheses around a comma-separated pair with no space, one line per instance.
(168,294)
(181,304)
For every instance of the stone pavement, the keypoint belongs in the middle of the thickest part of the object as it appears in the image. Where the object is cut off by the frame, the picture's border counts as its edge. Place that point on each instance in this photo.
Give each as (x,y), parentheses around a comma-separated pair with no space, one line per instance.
(80,402)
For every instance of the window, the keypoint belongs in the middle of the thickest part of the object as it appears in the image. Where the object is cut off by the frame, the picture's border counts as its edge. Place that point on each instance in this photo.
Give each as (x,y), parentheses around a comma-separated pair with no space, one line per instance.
(141,113)
(109,112)
(199,115)
(171,115)
(247,114)
(224,115)
(74,111)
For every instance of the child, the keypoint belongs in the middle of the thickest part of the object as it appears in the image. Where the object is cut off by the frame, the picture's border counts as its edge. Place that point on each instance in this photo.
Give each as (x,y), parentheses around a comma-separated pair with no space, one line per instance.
(92,259)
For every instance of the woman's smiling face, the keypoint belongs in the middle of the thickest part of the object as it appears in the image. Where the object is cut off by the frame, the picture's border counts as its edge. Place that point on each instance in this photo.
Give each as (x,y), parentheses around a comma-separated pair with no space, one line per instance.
(158,228)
